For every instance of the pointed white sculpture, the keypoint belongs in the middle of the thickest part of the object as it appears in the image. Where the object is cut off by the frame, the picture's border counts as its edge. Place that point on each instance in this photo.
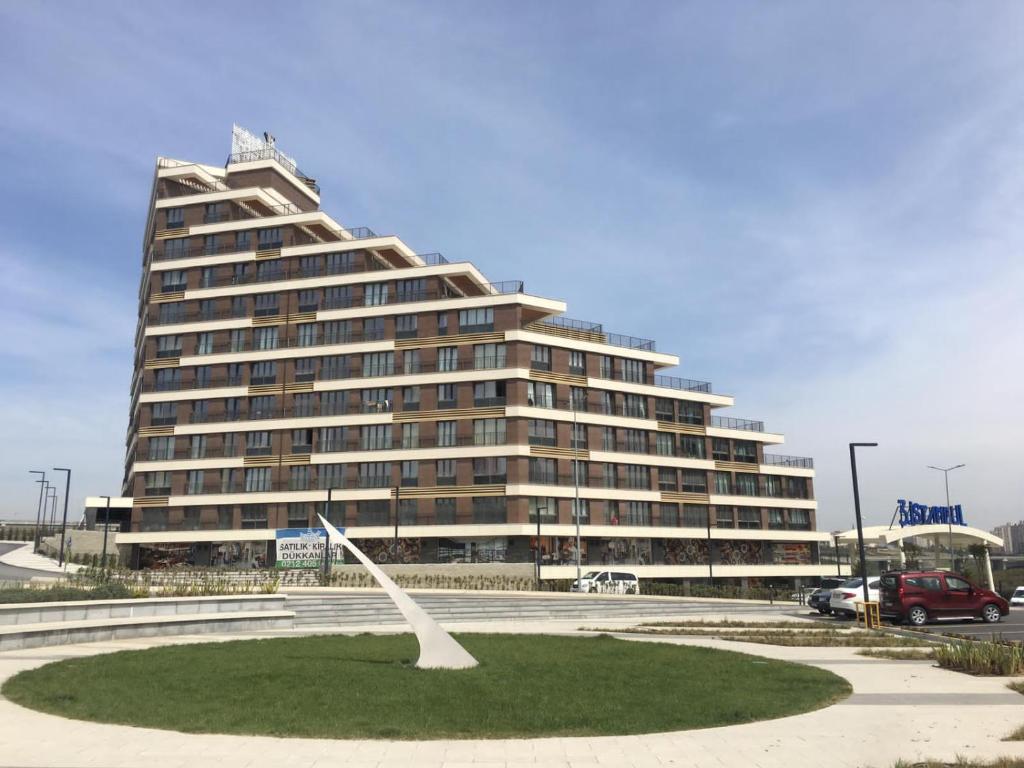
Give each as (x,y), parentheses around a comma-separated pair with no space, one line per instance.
(438,649)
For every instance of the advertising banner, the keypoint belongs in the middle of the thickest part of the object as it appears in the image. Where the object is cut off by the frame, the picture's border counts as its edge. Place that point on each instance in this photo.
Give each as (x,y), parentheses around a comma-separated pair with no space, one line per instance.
(304,548)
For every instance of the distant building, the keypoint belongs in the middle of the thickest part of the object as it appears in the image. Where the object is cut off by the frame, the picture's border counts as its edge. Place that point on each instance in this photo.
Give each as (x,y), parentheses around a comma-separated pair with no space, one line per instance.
(1012,535)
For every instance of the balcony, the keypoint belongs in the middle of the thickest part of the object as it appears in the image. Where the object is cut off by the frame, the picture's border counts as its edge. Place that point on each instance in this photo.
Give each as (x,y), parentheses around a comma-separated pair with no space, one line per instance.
(589,331)
(343,235)
(685,385)
(269,153)
(746,425)
(776,460)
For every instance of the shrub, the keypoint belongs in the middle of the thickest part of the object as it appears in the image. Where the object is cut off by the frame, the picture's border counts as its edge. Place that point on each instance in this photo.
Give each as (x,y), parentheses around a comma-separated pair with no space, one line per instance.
(982,657)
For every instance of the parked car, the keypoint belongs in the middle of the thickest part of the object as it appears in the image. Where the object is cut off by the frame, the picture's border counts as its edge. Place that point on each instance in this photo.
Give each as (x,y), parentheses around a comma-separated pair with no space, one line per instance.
(844,597)
(917,596)
(607,582)
(819,600)
(1017,598)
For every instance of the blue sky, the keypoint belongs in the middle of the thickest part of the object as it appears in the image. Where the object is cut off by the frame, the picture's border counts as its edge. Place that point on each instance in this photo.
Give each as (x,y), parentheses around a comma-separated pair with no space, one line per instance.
(817,205)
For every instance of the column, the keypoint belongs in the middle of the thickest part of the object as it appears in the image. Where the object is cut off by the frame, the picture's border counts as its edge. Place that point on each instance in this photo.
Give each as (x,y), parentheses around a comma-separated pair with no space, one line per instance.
(988,570)
(903,555)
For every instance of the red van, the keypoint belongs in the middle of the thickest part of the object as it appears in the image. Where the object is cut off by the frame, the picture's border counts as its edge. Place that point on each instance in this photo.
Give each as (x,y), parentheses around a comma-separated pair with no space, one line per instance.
(917,596)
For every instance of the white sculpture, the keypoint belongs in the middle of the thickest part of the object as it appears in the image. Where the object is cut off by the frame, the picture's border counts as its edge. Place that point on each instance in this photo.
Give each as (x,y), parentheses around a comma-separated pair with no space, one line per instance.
(438,649)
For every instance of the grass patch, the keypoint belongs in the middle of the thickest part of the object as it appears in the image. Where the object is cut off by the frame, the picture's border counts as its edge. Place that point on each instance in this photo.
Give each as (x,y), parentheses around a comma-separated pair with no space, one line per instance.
(1017,686)
(899,654)
(982,657)
(61,593)
(729,623)
(963,762)
(366,687)
(803,637)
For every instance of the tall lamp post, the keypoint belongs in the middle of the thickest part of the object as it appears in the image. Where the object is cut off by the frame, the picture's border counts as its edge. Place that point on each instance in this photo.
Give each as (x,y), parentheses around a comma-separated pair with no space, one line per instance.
(39,507)
(945,471)
(576,498)
(106,526)
(856,508)
(540,511)
(51,501)
(64,521)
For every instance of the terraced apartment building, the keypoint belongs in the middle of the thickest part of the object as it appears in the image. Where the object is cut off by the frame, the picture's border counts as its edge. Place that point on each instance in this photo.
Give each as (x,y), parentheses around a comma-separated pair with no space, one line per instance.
(283,359)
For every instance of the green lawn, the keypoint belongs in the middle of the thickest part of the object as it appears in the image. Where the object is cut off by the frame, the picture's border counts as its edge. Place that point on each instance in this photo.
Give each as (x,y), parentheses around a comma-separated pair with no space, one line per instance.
(366,687)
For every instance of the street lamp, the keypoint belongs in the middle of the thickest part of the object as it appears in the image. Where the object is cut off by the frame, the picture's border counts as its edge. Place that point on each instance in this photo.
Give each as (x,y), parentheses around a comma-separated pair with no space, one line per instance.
(949,512)
(64,521)
(576,483)
(39,506)
(860,526)
(540,511)
(106,526)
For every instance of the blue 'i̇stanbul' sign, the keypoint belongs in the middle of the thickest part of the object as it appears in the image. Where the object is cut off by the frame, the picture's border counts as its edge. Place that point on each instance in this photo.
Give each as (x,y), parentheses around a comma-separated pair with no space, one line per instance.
(912,513)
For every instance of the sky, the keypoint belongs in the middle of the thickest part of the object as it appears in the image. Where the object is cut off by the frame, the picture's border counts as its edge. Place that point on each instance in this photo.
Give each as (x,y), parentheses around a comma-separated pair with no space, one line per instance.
(816,205)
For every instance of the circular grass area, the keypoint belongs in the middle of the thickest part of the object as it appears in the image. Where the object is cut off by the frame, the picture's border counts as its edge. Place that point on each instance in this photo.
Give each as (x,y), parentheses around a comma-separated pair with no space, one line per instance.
(366,687)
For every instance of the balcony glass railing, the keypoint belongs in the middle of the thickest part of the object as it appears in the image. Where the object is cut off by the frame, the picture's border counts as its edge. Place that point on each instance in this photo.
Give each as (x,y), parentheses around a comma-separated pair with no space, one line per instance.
(726,422)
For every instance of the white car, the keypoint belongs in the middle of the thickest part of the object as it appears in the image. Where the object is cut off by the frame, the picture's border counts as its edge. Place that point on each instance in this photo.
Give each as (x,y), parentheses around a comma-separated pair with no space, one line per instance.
(1017,598)
(607,582)
(850,592)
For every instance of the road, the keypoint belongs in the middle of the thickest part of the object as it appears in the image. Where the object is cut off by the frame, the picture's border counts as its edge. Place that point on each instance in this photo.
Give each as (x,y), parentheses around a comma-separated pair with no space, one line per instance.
(1010,628)
(12,573)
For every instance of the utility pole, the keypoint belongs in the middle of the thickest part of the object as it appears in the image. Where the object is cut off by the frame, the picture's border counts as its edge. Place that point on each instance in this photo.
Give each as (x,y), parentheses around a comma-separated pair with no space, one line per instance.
(39,508)
(949,510)
(64,521)
(860,525)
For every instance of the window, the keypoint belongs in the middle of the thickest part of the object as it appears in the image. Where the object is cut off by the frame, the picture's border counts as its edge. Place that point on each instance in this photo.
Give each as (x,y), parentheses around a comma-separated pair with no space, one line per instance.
(378,364)
(410,473)
(175,218)
(257,479)
(442,323)
(634,370)
(410,290)
(240,273)
(410,398)
(669,515)
(263,372)
(540,358)
(636,440)
(720,449)
(799,520)
(664,409)
(489,470)
(230,479)
(447,359)
(488,356)
(446,396)
(607,367)
(298,479)
(635,406)
(691,413)
(749,518)
(166,379)
(745,451)
(476,320)
(695,481)
(309,300)
(302,441)
(200,411)
(168,346)
(540,395)
(237,342)
(254,516)
(664,443)
(263,407)
(667,480)
(197,447)
(578,436)
(231,441)
(265,338)
(337,297)
(546,507)
(776,520)
(336,367)
(637,513)
(330,476)
(154,519)
(305,369)
(488,431)
(332,439)
(373,512)
(489,509)
(377,400)
(212,214)
(796,488)
(445,469)
(176,248)
(160,448)
(577,362)
(266,271)
(446,434)
(158,483)
(269,238)
(266,305)
(173,280)
(444,511)
(375,294)
(543,471)
(411,361)
(306,334)
(610,476)
(725,517)
(172,312)
(746,484)
(298,513)
(581,508)
(309,266)
(332,403)
(638,477)
(722,484)
(608,438)
(373,329)
(162,414)
(405,327)
(411,435)
(408,511)
(607,405)
(375,474)
(488,393)
(541,432)
(258,444)
(203,376)
(375,437)
(691,447)
(695,516)
(578,399)
(302,404)
(340,263)
(243,241)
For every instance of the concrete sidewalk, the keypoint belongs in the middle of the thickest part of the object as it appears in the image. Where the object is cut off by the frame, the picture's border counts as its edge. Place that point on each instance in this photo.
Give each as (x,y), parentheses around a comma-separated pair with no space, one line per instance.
(899,710)
(23,557)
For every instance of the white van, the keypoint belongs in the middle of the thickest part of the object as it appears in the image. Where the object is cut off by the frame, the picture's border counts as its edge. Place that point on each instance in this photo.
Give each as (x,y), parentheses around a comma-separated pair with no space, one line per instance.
(607,582)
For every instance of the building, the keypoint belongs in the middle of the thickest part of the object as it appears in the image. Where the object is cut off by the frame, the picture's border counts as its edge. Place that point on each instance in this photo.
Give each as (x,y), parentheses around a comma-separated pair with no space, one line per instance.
(1012,535)
(282,359)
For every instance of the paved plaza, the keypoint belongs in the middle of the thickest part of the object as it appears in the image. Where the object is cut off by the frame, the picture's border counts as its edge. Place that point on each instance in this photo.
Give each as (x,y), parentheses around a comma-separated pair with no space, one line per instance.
(908,710)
